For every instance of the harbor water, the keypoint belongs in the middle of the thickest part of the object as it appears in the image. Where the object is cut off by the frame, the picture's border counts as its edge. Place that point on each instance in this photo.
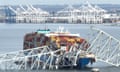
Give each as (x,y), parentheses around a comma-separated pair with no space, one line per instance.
(11,39)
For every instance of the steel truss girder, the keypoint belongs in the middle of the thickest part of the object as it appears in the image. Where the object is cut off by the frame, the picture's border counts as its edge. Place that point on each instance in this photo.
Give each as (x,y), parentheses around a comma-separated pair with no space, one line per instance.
(37,58)
(105,47)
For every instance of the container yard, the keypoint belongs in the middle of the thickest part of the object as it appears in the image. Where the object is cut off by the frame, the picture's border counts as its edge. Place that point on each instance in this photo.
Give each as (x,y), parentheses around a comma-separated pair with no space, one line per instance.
(87,13)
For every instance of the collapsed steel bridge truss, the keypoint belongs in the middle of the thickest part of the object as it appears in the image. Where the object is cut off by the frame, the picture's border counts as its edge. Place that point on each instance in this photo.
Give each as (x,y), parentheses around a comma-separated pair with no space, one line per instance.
(104,46)
(39,58)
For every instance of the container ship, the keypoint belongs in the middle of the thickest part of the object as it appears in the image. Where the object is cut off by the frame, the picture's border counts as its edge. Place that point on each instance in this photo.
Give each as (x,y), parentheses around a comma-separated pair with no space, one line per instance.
(60,39)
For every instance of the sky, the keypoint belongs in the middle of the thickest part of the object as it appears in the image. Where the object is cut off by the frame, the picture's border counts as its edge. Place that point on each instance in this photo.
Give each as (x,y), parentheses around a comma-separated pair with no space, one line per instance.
(56,2)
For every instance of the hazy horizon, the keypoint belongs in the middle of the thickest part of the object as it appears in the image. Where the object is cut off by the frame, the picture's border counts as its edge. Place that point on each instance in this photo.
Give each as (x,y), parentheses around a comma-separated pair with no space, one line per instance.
(56,2)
